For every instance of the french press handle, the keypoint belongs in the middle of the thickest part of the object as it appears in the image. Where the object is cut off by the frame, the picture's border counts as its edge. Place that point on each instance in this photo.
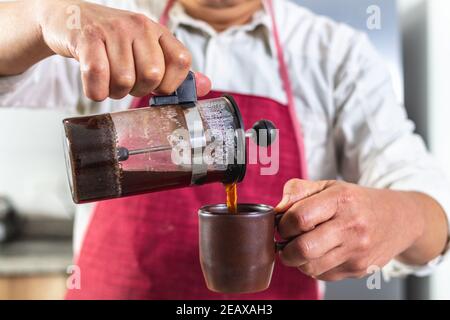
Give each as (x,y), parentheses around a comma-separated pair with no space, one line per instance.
(186,94)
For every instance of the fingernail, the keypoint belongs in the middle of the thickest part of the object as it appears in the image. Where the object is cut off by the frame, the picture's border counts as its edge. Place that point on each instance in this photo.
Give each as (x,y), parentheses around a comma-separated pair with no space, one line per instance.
(284,201)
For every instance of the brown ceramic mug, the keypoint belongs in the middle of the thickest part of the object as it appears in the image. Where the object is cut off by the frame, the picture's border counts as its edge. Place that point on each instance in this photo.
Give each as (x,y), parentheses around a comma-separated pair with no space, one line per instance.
(237,251)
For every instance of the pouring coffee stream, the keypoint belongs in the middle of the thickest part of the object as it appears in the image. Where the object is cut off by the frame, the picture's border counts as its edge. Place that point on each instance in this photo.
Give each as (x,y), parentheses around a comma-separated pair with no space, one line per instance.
(232,202)
(176,142)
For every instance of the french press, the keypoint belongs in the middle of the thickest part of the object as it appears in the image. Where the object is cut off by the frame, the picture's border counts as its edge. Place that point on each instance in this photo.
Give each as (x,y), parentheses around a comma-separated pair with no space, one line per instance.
(178,141)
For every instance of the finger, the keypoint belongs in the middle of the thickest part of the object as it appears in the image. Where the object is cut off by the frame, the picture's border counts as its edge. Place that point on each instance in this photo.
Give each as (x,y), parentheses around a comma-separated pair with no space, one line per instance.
(336,274)
(203,84)
(296,190)
(94,68)
(178,63)
(293,254)
(333,259)
(314,244)
(149,66)
(343,272)
(306,214)
(121,65)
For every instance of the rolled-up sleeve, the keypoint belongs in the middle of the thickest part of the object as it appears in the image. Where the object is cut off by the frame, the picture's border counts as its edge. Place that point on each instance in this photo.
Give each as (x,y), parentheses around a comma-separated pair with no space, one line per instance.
(376,141)
(11,83)
(52,83)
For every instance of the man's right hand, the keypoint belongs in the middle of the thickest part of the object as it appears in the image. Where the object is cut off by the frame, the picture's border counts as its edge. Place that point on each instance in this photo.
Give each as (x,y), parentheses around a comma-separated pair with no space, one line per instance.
(119,52)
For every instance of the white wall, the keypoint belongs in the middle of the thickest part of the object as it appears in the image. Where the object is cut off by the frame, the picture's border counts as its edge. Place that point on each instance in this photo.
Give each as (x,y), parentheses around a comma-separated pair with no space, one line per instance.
(438,75)
(405,5)
(437,62)
(439,101)
(32,167)
(431,88)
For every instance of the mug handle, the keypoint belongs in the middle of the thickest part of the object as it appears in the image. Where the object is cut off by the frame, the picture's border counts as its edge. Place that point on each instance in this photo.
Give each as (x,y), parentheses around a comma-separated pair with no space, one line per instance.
(280,245)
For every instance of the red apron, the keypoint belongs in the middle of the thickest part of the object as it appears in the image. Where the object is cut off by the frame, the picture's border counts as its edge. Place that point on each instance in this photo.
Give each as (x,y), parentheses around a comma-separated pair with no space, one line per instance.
(146,247)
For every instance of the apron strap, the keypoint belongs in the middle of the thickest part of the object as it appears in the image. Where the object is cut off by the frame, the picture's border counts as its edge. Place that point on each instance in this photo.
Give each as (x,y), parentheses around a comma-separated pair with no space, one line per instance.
(284,74)
(287,85)
(164,19)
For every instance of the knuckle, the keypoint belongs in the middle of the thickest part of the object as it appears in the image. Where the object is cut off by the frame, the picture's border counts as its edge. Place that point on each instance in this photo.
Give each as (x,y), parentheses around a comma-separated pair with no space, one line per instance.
(292,185)
(141,20)
(184,59)
(91,31)
(361,227)
(95,69)
(364,242)
(346,195)
(165,31)
(300,222)
(123,81)
(119,25)
(152,76)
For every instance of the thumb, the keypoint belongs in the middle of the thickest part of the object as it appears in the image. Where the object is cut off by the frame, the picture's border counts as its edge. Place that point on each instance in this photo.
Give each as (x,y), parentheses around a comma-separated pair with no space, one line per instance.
(296,190)
(203,84)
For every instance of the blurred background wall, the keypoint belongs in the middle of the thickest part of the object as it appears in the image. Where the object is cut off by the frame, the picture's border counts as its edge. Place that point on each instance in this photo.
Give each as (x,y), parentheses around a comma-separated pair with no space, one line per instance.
(32,168)
(413,39)
(426,53)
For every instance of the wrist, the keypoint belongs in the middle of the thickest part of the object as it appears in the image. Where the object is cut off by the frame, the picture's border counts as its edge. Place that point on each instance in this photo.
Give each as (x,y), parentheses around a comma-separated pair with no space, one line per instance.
(430,228)
(416,212)
(39,13)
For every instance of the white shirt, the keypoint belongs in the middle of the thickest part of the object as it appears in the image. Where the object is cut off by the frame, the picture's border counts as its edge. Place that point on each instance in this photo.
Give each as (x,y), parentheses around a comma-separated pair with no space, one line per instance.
(354,128)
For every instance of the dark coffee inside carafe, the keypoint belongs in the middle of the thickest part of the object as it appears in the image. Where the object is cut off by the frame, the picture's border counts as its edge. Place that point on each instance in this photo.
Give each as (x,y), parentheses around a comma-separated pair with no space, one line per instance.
(93,164)
(99,175)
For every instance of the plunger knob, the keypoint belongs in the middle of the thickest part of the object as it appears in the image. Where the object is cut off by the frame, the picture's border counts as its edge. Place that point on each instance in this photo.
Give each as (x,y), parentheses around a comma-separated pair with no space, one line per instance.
(264,133)
(123,154)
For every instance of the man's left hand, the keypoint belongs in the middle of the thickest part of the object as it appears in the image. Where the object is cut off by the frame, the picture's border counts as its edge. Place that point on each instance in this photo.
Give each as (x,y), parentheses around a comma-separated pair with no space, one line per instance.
(338,230)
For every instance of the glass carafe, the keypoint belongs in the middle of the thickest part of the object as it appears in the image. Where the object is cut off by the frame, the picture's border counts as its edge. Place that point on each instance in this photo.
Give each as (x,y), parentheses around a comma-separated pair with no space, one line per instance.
(154,148)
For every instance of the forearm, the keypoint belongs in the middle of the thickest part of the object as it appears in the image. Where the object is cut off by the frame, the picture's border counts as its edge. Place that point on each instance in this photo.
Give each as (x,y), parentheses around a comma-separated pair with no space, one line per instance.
(433,237)
(22,44)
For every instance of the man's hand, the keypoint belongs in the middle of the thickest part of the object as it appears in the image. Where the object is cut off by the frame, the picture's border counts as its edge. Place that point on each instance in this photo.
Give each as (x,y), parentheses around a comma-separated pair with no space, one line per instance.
(338,230)
(120,52)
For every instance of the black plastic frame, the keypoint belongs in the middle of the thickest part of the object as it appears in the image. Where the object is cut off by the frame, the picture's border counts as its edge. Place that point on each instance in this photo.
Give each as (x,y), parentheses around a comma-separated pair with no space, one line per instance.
(236,172)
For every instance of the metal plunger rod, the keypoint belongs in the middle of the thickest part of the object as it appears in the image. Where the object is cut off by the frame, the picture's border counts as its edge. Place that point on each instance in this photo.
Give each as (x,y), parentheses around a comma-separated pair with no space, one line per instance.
(124,154)
(149,150)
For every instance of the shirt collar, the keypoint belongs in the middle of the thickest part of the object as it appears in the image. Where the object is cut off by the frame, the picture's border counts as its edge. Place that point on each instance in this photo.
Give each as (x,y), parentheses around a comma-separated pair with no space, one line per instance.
(261,19)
